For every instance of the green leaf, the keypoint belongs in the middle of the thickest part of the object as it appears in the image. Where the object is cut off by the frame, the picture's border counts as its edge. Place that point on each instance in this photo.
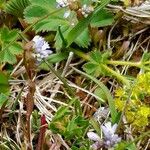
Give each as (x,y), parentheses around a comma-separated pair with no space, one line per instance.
(76,127)
(100,93)
(4,85)
(65,29)
(90,68)
(125,146)
(83,24)
(7,35)
(38,9)
(34,13)
(7,56)
(15,49)
(3,99)
(16,7)
(44,3)
(54,58)
(83,40)
(77,30)
(96,62)
(62,111)
(103,18)
(9,50)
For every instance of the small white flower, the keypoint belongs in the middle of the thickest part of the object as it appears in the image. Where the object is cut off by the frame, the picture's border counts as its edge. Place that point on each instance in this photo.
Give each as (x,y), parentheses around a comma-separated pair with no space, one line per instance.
(62,3)
(110,138)
(108,129)
(42,48)
(101,113)
(86,10)
(94,0)
(93,136)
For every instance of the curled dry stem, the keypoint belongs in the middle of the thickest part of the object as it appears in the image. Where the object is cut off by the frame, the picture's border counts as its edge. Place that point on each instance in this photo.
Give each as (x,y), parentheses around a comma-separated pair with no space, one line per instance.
(29,63)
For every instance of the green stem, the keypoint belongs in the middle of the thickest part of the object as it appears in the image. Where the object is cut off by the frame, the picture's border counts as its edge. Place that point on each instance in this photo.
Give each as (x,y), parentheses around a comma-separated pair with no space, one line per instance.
(119,76)
(70,91)
(146,63)
(125,63)
(80,54)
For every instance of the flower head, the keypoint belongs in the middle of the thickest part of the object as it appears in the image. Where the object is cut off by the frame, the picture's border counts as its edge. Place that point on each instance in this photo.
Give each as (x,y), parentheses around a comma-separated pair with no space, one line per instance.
(62,3)
(85,10)
(110,138)
(42,48)
(95,137)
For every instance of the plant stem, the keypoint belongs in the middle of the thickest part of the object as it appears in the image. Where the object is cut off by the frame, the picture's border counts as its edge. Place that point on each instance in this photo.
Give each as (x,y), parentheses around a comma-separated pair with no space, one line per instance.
(119,76)
(70,91)
(125,63)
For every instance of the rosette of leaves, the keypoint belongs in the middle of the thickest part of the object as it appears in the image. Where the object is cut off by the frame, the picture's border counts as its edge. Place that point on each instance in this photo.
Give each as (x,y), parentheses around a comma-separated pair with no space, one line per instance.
(96,62)
(9,48)
(72,29)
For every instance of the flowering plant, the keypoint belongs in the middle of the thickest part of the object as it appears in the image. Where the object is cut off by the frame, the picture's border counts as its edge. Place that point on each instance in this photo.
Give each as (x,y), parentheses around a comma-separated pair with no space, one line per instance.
(110,138)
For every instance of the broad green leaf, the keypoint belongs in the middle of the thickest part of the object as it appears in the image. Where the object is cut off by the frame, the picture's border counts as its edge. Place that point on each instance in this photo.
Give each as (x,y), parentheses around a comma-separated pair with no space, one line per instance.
(77,30)
(89,67)
(50,24)
(15,49)
(83,40)
(103,18)
(38,9)
(65,30)
(16,7)
(7,56)
(54,58)
(125,146)
(100,93)
(34,13)
(7,35)
(44,3)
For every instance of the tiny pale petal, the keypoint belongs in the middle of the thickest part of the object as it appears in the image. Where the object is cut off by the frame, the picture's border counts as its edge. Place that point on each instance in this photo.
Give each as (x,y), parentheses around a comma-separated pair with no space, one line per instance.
(66,14)
(93,136)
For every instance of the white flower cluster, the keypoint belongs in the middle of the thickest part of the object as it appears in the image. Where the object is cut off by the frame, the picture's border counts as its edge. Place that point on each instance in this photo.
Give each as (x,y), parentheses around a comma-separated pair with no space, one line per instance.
(110,138)
(62,3)
(86,10)
(42,48)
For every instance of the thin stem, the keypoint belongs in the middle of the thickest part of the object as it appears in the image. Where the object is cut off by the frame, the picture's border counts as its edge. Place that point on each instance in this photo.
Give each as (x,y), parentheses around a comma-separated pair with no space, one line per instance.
(70,91)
